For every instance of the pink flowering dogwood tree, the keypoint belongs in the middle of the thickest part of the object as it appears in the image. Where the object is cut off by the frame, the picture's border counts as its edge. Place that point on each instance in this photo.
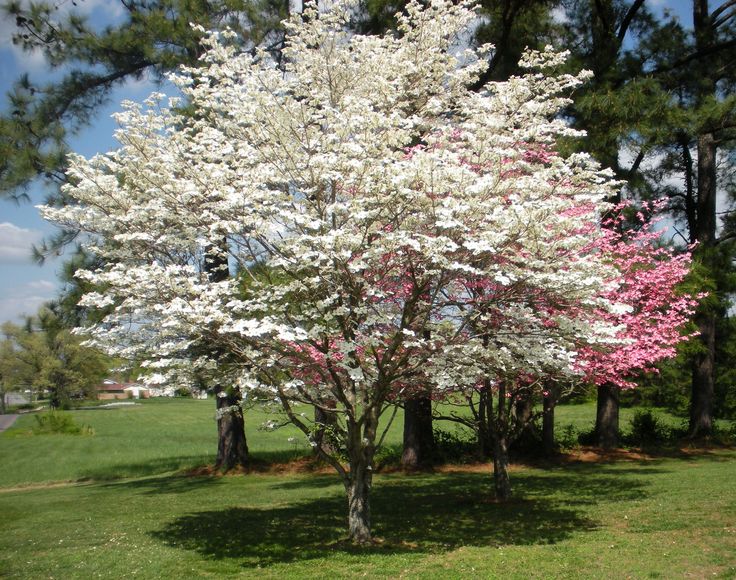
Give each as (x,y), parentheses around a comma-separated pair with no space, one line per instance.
(383,223)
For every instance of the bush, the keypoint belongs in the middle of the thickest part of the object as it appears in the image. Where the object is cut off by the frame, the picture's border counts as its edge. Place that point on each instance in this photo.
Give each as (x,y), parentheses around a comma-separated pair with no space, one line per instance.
(569,438)
(54,423)
(647,429)
(457,446)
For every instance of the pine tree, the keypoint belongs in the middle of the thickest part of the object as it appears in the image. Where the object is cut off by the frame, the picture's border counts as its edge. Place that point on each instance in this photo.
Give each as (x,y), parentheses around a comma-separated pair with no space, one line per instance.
(153,38)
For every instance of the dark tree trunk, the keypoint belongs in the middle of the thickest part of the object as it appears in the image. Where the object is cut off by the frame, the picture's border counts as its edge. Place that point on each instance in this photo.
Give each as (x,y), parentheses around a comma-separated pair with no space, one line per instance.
(501,482)
(701,401)
(548,425)
(2,402)
(499,427)
(418,452)
(232,448)
(484,418)
(527,440)
(606,420)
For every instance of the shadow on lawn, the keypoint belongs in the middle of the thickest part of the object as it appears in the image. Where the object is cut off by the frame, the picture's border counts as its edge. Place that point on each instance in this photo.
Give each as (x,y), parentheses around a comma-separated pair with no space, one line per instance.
(149,467)
(430,513)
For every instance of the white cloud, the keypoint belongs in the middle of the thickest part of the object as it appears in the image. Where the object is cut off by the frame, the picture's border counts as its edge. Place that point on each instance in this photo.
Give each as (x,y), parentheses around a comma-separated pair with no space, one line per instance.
(15,243)
(26,299)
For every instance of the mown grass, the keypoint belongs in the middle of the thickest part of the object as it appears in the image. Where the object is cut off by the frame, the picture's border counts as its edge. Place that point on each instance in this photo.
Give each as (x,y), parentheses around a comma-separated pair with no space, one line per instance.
(172,435)
(137,516)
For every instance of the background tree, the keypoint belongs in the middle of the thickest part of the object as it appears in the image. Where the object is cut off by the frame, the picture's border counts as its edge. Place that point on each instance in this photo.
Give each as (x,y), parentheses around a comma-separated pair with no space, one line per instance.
(45,358)
(151,39)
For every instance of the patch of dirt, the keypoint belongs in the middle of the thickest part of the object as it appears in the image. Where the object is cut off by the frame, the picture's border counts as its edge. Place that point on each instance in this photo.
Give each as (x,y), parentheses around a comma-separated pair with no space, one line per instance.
(596,455)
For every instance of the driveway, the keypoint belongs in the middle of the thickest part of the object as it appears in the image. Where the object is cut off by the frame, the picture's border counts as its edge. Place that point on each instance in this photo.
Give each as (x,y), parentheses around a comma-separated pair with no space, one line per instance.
(7,421)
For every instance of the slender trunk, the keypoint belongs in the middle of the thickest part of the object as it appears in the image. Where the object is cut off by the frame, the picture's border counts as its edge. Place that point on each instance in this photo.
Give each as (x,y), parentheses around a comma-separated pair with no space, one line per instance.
(501,482)
(499,426)
(485,435)
(606,420)
(2,402)
(418,451)
(324,421)
(548,425)
(232,448)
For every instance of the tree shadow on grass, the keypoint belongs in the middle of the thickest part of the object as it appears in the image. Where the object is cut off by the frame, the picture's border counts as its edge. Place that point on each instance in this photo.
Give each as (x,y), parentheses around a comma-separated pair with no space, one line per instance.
(162,485)
(149,467)
(433,513)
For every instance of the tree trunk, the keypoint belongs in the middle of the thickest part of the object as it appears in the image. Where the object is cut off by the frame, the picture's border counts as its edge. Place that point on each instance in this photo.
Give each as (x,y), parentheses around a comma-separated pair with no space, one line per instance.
(232,448)
(701,401)
(485,435)
(359,505)
(418,450)
(548,425)
(501,482)
(527,440)
(324,420)
(606,420)
(2,402)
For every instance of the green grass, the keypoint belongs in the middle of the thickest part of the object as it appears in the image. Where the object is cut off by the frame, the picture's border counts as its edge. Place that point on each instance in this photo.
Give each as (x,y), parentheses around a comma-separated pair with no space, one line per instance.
(136,517)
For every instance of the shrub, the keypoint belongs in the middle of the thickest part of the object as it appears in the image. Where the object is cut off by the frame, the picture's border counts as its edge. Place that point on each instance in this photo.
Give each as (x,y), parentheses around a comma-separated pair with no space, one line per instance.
(457,446)
(61,424)
(647,429)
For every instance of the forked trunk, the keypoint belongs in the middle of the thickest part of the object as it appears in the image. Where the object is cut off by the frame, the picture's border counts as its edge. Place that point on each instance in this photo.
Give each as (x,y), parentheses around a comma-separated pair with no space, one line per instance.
(501,482)
(232,448)
(606,420)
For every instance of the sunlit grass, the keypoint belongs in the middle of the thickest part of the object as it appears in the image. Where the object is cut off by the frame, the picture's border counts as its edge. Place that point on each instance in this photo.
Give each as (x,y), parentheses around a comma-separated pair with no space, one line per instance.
(135,514)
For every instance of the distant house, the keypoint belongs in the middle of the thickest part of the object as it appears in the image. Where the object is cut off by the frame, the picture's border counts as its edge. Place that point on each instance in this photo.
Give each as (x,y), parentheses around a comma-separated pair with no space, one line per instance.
(110,389)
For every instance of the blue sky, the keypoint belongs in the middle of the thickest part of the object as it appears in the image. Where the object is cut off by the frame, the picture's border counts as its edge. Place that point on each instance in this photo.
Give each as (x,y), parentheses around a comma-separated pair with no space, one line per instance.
(24,286)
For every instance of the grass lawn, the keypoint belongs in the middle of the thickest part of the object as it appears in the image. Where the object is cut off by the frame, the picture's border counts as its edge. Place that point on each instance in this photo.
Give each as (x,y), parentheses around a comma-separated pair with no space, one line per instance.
(135,516)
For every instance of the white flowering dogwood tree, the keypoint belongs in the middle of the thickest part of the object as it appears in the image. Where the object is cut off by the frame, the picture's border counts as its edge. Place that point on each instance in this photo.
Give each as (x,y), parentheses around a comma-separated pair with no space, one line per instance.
(381,222)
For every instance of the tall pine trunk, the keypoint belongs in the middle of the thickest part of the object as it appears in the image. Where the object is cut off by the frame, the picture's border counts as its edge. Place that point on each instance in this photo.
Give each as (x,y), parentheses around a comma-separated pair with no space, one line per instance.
(701,402)
(606,420)
(419,446)
(703,370)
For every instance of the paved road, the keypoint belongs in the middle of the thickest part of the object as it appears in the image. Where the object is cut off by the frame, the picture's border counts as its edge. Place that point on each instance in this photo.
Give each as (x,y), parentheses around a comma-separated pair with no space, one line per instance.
(7,421)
